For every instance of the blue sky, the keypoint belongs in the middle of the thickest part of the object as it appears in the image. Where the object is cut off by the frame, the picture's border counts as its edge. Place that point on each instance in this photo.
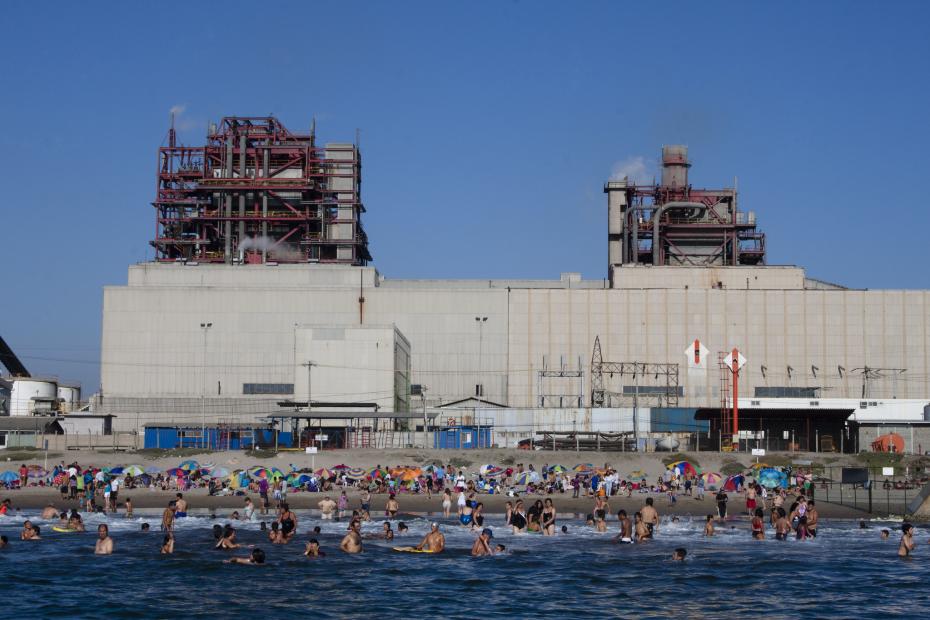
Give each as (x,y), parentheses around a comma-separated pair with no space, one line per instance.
(487,129)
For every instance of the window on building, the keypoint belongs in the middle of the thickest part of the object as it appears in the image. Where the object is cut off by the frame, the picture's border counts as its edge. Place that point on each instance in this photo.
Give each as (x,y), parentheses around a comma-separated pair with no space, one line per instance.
(267,388)
(787,392)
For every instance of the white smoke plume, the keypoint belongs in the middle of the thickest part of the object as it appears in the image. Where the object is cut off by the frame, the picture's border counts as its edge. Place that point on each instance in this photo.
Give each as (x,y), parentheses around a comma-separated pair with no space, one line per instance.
(267,244)
(636,169)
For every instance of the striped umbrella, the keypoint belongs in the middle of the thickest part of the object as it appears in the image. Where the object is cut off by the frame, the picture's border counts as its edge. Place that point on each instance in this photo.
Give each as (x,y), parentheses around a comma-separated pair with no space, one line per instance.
(523,478)
(356,473)
(324,473)
(585,469)
(133,470)
(558,469)
(189,465)
(685,467)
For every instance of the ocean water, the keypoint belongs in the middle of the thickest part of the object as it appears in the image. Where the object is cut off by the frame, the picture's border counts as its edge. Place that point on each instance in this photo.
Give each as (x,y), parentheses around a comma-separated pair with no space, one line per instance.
(844,573)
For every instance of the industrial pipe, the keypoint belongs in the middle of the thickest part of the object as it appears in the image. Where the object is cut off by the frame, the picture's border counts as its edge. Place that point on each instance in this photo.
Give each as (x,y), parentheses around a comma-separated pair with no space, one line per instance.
(658,214)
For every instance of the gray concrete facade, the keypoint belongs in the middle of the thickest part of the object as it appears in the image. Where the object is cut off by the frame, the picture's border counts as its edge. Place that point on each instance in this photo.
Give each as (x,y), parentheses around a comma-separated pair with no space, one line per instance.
(793,332)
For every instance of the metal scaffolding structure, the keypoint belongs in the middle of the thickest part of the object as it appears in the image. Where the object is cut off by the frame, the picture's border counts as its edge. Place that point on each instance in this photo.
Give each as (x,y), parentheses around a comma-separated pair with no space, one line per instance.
(652,382)
(672,223)
(259,193)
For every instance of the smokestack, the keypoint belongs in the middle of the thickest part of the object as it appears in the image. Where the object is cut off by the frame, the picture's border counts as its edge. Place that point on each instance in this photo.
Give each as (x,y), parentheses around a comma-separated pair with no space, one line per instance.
(675,166)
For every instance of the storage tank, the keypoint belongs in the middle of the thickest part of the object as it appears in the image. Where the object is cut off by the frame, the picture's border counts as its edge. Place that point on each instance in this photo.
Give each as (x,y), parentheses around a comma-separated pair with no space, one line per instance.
(33,395)
(69,396)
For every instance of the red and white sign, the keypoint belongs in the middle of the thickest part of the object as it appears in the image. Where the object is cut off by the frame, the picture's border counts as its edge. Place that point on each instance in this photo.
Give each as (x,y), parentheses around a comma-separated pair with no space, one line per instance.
(696,354)
(740,360)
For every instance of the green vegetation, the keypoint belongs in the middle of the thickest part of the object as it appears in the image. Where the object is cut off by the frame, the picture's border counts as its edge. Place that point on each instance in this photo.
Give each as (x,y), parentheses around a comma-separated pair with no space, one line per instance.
(731,468)
(880,459)
(678,456)
(460,462)
(259,453)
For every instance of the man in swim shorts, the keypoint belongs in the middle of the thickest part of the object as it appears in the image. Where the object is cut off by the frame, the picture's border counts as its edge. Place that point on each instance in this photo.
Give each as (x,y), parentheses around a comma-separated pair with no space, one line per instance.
(650,517)
(327,507)
(434,540)
(626,528)
(180,505)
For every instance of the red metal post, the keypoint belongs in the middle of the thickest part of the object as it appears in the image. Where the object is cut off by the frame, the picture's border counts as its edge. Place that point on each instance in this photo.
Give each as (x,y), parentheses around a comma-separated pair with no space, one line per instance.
(735,370)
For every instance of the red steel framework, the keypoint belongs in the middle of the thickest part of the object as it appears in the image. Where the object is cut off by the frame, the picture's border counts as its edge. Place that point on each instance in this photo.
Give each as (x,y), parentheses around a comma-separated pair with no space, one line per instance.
(672,223)
(257,193)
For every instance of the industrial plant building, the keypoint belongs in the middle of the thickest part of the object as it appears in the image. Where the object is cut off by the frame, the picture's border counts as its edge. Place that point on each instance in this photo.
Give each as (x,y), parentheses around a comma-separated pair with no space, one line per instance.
(261,301)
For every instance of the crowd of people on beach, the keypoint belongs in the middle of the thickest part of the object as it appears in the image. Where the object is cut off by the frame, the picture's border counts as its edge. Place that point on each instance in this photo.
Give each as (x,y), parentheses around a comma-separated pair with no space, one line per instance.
(799,520)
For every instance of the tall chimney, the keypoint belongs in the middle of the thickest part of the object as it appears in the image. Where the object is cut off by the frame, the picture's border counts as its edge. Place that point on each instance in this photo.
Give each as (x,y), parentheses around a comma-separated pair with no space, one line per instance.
(675,166)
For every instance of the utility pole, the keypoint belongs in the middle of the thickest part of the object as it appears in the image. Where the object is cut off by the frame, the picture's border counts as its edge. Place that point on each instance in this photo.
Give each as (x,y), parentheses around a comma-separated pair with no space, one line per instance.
(309,364)
(481,320)
(204,327)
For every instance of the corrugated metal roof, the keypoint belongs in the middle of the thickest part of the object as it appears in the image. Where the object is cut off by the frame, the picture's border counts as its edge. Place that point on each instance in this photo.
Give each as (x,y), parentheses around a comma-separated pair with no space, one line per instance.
(36,424)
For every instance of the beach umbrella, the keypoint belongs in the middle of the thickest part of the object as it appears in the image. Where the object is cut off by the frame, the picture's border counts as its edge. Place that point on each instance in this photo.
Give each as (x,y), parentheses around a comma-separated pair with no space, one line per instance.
(341,467)
(176,471)
(712,480)
(558,469)
(430,468)
(259,472)
(116,471)
(189,465)
(484,469)
(36,471)
(684,467)
(733,482)
(584,469)
(9,477)
(637,476)
(151,469)
(356,473)
(376,473)
(411,474)
(524,478)
(324,473)
(297,479)
(772,478)
(219,472)
(133,470)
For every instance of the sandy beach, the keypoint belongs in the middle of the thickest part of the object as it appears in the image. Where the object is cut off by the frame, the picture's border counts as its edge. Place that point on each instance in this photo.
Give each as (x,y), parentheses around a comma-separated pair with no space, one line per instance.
(469,461)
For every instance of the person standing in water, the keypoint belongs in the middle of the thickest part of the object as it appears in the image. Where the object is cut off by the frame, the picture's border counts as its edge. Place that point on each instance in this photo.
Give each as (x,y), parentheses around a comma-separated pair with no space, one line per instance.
(757,525)
(352,541)
(650,517)
(434,540)
(709,526)
(482,544)
(548,517)
(626,528)
(721,499)
(167,517)
(907,540)
(104,545)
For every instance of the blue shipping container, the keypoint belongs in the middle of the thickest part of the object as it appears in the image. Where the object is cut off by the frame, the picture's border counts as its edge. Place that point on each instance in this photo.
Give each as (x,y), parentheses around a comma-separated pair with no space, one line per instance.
(462,438)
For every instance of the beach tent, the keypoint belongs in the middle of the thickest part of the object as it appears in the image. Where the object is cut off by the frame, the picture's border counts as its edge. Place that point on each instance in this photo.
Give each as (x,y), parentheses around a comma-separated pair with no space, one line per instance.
(712,480)
(189,465)
(684,468)
(733,482)
(9,477)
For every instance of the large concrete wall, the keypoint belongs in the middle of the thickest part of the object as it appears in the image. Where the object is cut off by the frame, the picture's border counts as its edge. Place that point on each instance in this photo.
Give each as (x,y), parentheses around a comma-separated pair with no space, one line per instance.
(152,343)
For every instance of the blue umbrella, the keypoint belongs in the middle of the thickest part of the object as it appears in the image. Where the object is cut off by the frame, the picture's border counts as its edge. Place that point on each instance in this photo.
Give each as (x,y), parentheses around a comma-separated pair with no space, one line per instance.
(117,471)
(9,477)
(771,478)
(151,469)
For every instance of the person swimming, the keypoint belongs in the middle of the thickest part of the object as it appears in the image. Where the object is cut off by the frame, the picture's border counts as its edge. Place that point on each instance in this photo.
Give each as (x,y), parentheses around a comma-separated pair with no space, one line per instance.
(256,557)
(679,554)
